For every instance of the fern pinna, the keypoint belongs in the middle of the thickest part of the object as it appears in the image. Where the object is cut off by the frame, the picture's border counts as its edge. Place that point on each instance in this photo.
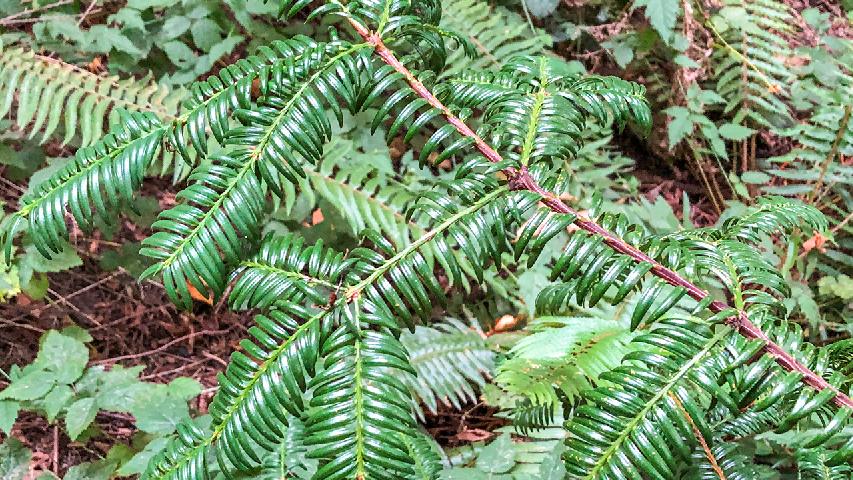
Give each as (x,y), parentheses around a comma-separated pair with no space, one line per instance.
(325,366)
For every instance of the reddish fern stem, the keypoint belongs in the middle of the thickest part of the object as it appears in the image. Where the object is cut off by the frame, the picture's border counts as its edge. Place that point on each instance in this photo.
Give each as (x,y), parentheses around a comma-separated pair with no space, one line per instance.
(520,179)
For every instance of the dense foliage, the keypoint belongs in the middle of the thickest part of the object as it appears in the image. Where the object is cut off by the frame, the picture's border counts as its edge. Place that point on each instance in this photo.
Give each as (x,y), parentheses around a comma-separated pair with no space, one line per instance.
(499,256)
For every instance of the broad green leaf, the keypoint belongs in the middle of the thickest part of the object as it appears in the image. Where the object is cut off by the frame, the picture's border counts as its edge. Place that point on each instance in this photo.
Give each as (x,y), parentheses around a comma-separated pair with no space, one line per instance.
(30,386)
(468,474)
(129,17)
(79,416)
(33,262)
(552,467)
(146,4)
(680,126)
(106,39)
(662,15)
(498,456)
(206,33)
(541,8)
(8,415)
(184,388)
(66,357)
(101,470)
(179,54)
(735,132)
(78,333)
(758,178)
(120,387)
(158,412)
(175,26)
(56,400)
(139,462)
(840,286)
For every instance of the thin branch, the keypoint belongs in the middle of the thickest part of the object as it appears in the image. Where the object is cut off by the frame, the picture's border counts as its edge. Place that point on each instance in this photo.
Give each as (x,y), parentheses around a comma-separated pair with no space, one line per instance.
(22,13)
(521,179)
(712,459)
(162,347)
(836,144)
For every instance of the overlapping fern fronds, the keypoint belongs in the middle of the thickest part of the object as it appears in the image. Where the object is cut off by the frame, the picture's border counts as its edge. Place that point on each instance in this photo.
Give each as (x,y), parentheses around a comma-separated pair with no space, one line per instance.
(326,346)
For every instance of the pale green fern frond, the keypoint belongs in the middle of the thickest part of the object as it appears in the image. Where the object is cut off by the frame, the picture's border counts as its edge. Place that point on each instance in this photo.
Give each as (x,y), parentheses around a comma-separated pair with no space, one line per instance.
(451,361)
(44,93)
(497,35)
(750,61)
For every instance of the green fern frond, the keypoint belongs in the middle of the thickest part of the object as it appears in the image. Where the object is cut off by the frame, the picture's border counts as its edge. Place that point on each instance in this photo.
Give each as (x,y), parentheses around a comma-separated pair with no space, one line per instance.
(723,460)
(750,64)
(213,101)
(451,360)
(365,197)
(183,458)
(498,35)
(50,92)
(639,422)
(285,269)
(536,108)
(95,184)
(224,206)
(360,411)
(221,212)
(774,215)
(284,352)
(562,354)
(813,465)
(426,454)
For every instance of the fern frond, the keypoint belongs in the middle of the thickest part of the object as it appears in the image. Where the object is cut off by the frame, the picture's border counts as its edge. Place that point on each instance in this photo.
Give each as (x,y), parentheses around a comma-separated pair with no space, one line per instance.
(284,352)
(50,92)
(450,360)
(183,458)
(365,197)
(224,207)
(360,411)
(426,454)
(497,34)
(750,66)
(284,269)
(562,354)
(813,465)
(95,184)
(213,101)
(536,109)
(638,423)
(722,461)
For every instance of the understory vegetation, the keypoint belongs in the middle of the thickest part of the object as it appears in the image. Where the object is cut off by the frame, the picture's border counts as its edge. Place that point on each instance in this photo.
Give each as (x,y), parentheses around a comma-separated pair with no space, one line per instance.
(432,239)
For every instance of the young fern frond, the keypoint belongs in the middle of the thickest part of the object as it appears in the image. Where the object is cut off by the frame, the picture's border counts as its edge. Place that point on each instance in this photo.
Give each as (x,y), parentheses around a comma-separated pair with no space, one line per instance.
(639,420)
(562,357)
(814,465)
(51,93)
